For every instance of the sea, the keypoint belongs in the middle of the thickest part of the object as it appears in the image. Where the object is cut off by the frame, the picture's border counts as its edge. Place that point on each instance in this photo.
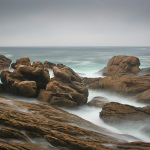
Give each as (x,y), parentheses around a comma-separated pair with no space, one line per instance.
(87,62)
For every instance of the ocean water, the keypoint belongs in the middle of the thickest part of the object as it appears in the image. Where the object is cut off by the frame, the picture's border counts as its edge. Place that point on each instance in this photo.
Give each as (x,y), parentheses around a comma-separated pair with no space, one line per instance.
(86,61)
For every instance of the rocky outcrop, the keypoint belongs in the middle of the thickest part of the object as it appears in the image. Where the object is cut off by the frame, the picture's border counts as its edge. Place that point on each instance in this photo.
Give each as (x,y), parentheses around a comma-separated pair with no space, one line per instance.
(122,65)
(127,84)
(22,121)
(98,101)
(90,80)
(4,62)
(116,113)
(22,61)
(26,79)
(144,97)
(48,65)
(65,89)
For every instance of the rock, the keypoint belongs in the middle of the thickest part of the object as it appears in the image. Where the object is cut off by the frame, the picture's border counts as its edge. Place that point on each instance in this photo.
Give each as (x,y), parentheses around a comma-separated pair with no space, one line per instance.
(122,65)
(25,80)
(1,87)
(116,113)
(49,65)
(90,80)
(98,101)
(37,64)
(144,97)
(9,133)
(127,84)
(66,89)
(27,88)
(65,73)
(22,61)
(44,122)
(66,94)
(4,62)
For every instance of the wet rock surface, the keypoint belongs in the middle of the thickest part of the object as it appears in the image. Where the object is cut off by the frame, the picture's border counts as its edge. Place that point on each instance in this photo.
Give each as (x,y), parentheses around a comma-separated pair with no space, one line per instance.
(127,84)
(66,89)
(115,112)
(98,101)
(4,62)
(122,65)
(25,80)
(48,65)
(43,121)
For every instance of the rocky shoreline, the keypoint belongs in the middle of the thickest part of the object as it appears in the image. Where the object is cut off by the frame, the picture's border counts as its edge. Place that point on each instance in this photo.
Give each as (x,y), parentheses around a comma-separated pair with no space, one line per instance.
(24,124)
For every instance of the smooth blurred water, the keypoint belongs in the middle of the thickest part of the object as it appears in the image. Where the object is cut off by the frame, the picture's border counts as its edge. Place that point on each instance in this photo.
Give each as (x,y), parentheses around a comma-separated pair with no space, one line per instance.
(81,59)
(86,61)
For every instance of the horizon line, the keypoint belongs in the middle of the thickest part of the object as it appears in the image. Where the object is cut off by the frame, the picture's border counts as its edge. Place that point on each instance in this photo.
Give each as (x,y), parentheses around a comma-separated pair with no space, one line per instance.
(83,46)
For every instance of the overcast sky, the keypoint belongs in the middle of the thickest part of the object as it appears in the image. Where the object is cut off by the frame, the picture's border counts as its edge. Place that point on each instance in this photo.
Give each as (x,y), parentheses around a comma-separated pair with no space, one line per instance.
(74,22)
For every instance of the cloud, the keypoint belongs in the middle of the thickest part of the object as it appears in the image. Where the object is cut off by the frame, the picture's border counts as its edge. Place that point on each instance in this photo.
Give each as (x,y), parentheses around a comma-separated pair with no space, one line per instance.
(80,22)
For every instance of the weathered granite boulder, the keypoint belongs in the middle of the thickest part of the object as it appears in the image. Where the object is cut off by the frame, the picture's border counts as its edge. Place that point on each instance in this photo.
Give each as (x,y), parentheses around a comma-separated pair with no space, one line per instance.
(65,73)
(4,62)
(122,65)
(22,61)
(144,97)
(27,88)
(48,65)
(127,84)
(98,101)
(25,80)
(116,113)
(65,89)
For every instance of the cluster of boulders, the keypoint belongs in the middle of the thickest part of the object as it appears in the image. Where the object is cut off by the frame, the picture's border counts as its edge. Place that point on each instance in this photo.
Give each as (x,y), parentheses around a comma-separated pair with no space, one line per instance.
(22,121)
(123,75)
(33,80)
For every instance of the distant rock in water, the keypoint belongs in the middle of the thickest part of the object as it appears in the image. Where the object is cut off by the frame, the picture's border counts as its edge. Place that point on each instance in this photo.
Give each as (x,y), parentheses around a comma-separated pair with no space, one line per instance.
(98,101)
(4,62)
(116,113)
(122,65)
(65,89)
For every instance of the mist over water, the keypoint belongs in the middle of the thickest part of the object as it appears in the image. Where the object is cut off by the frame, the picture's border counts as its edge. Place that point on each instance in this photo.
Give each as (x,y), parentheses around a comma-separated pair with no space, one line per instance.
(86,61)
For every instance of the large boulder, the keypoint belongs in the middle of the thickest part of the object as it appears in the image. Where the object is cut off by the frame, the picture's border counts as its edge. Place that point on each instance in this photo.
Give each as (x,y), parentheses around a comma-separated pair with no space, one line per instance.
(22,61)
(4,62)
(65,89)
(26,79)
(122,65)
(27,88)
(127,84)
(116,113)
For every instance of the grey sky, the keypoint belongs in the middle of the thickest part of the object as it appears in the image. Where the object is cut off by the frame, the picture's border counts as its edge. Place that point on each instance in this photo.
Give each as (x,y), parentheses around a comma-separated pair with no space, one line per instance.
(74,22)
